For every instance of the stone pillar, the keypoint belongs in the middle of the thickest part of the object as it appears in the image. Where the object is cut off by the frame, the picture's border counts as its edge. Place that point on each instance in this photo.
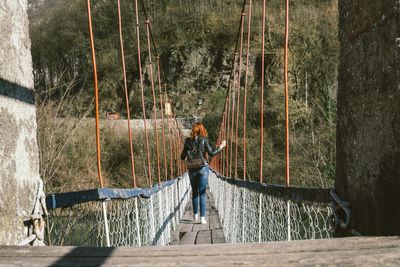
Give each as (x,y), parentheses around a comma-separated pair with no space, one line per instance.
(19,161)
(368,118)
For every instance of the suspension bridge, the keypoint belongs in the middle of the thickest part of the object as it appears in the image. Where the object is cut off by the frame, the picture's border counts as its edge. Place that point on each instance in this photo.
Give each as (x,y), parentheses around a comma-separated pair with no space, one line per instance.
(248,211)
(143,226)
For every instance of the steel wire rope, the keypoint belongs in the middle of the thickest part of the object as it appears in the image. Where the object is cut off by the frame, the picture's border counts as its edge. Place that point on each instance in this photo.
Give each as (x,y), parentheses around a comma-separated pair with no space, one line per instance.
(96,90)
(262,92)
(157,54)
(156,51)
(245,87)
(126,95)
(286,50)
(150,179)
(227,99)
(160,72)
(162,119)
(233,103)
(169,132)
(154,98)
(220,159)
(176,138)
(238,95)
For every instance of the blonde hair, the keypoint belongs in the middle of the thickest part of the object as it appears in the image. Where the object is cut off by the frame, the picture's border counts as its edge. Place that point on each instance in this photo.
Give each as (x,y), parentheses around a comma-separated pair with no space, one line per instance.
(198,129)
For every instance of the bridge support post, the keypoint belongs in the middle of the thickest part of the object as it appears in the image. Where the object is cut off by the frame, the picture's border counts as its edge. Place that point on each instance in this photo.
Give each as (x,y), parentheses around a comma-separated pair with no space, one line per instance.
(368,117)
(139,241)
(288,220)
(19,156)
(106,226)
(259,217)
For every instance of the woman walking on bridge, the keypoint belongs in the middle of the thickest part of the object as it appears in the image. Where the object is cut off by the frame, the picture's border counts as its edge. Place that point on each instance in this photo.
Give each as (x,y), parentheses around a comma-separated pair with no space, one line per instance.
(194,152)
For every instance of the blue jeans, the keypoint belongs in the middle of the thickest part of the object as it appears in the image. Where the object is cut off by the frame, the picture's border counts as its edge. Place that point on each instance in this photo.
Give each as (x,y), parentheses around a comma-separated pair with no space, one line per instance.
(199,181)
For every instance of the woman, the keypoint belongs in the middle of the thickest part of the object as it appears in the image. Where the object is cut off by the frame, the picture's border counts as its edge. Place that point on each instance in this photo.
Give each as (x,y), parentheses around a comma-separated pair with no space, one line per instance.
(199,176)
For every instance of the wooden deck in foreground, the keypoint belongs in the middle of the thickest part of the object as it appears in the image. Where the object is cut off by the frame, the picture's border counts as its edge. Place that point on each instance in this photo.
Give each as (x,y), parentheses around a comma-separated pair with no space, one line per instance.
(190,232)
(201,249)
(357,251)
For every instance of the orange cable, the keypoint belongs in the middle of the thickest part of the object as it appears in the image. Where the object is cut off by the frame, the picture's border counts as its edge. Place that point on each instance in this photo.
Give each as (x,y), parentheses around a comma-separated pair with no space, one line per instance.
(150,179)
(287,180)
(162,119)
(126,95)
(238,95)
(262,92)
(169,134)
(232,126)
(245,88)
(96,92)
(154,100)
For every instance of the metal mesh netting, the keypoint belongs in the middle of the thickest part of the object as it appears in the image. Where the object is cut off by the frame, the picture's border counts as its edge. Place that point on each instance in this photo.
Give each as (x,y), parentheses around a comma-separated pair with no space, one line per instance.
(135,221)
(253,216)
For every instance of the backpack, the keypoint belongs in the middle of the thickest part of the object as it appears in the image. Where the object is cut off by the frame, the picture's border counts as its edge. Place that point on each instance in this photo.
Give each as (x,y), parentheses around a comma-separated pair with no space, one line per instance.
(194,157)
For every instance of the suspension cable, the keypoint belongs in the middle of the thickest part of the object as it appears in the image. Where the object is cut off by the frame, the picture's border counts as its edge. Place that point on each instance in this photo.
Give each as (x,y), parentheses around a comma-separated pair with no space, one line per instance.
(232,117)
(150,179)
(175,148)
(245,87)
(154,99)
(227,107)
(128,112)
(160,66)
(262,92)
(162,119)
(96,93)
(169,131)
(287,180)
(238,94)
(227,128)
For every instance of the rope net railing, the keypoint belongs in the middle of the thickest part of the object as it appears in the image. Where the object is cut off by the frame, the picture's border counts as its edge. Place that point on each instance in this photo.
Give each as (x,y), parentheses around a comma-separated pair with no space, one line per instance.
(254,212)
(118,217)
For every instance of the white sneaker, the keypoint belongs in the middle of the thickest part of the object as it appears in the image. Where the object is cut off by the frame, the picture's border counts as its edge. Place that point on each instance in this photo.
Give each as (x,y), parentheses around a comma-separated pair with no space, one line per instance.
(203,220)
(196,217)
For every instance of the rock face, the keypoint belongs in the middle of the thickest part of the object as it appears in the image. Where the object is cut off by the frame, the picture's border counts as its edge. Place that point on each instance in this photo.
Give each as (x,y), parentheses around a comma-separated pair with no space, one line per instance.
(368,130)
(19,161)
(199,73)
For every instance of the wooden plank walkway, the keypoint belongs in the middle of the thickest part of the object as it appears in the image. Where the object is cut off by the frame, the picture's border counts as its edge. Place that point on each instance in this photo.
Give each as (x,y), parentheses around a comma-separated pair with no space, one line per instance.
(190,232)
(354,251)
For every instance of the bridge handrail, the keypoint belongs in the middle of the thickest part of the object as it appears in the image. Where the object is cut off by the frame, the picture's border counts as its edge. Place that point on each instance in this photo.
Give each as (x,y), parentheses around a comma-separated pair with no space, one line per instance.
(293,193)
(67,199)
(118,217)
(256,212)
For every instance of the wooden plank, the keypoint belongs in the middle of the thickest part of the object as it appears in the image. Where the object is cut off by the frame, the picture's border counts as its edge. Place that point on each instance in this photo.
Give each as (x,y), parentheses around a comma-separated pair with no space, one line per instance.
(320,245)
(201,227)
(203,237)
(185,227)
(187,217)
(174,238)
(186,222)
(189,238)
(217,236)
(214,222)
(335,259)
(360,251)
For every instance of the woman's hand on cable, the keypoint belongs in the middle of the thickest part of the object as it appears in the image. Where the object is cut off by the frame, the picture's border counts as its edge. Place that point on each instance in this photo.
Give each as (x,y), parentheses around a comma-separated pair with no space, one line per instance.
(222,145)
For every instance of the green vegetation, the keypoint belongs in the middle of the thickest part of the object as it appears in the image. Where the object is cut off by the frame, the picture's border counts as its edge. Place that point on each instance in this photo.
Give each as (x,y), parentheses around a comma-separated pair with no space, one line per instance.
(199,36)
